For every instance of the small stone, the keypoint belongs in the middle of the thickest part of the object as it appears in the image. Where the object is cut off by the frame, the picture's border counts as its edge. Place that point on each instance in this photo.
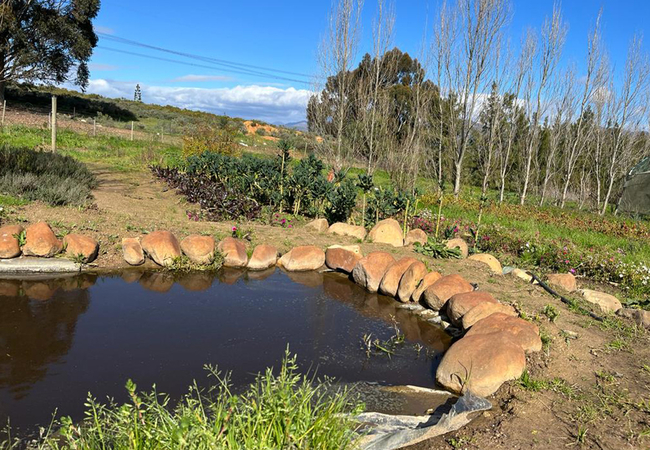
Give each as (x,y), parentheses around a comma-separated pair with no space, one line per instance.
(387,231)
(303,258)
(521,274)
(606,302)
(460,244)
(263,257)
(162,247)
(414,236)
(78,246)
(234,252)
(40,240)
(370,270)
(390,283)
(563,281)
(344,229)
(132,251)
(9,245)
(341,260)
(199,249)
(489,260)
(319,225)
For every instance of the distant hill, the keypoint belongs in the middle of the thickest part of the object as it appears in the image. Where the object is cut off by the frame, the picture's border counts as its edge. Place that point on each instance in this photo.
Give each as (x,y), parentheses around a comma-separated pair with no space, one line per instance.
(300,126)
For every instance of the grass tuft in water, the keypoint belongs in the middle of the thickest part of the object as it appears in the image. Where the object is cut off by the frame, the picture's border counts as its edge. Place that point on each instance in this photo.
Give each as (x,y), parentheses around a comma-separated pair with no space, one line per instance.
(283,411)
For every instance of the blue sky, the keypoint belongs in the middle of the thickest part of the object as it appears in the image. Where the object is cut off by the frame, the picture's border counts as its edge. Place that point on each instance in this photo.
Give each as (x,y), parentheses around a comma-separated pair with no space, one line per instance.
(285,35)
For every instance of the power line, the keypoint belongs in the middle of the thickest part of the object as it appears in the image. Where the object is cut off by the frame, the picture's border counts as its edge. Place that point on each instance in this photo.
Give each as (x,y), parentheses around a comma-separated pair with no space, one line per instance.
(186,63)
(227,63)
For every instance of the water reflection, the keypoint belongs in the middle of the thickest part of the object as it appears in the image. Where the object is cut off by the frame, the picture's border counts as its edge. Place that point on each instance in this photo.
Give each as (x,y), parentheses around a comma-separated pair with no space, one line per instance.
(61,338)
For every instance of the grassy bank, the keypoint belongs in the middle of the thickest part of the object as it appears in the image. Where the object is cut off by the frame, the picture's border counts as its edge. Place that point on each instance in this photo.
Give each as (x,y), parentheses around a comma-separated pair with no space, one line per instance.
(279,411)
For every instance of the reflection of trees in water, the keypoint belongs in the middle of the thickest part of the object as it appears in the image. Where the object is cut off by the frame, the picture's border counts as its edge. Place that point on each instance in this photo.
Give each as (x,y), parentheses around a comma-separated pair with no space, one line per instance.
(37,326)
(385,308)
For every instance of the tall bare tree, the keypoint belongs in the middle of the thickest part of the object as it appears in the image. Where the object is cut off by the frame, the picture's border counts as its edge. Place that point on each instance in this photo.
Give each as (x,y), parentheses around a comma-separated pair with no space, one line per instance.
(551,40)
(628,113)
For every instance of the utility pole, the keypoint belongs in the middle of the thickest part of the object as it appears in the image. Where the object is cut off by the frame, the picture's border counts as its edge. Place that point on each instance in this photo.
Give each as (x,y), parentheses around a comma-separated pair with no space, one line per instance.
(54,124)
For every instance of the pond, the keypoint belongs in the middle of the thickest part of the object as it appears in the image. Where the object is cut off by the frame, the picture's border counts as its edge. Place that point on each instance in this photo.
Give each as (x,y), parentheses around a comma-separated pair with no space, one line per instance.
(62,338)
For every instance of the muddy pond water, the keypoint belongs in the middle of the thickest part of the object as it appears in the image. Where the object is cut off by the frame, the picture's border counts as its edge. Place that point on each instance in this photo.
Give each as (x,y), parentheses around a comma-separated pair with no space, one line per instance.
(62,338)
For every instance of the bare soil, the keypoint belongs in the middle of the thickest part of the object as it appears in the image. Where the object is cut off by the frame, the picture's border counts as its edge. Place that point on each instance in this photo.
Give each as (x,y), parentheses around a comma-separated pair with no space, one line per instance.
(600,396)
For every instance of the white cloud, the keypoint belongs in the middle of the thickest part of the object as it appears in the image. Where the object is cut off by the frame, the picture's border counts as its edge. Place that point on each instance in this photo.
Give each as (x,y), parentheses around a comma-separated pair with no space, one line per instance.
(267,103)
(201,78)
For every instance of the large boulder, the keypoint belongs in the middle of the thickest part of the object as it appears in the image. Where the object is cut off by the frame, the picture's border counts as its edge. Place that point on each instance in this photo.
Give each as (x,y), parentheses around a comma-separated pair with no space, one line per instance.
(40,240)
(263,257)
(303,258)
(488,260)
(436,295)
(427,281)
(234,252)
(199,249)
(410,281)
(605,302)
(459,304)
(341,260)
(162,247)
(524,333)
(414,236)
(641,317)
(486,309)
(562,281)
(345,229)
(459,244)
(370,270)
(481,364)
(132,251)
(387,231)
(390,283)
(319,225)
(79,246)
(9,245)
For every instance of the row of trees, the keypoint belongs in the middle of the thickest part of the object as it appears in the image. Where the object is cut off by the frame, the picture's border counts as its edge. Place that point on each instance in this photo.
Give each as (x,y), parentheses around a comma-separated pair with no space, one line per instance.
(470,109)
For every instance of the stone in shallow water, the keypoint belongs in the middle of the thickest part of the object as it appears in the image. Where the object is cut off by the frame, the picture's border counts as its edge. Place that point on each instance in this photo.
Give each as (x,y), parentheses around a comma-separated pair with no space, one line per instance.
(234,252)
(391,280)
(306,257)
(370,270)
(427,281)
(341,259)
(263,257)
(410,280)
(199,249)
(132,251)
(162,247)
(79,246)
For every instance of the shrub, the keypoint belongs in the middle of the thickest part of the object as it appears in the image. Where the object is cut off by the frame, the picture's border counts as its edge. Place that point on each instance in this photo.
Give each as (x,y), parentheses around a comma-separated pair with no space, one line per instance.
(220,140)
(217,201)
(282,411)
(49,177)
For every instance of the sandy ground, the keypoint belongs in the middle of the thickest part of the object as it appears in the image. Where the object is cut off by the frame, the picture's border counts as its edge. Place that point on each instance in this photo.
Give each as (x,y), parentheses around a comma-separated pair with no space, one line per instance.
(601,398)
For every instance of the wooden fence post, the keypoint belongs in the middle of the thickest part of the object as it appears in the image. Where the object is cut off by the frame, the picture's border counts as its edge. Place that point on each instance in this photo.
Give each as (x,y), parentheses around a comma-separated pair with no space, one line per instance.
(94,127)
(131,130)
(54,123)
(4,108)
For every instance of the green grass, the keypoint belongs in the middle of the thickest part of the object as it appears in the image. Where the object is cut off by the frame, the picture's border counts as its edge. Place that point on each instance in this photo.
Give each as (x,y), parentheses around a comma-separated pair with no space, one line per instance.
(283,411)
(118,153)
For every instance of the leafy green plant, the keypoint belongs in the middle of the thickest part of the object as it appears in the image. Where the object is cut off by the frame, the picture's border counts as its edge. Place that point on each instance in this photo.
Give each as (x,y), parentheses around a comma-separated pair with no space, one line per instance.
(282,411)
(551,312)
(436,249)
